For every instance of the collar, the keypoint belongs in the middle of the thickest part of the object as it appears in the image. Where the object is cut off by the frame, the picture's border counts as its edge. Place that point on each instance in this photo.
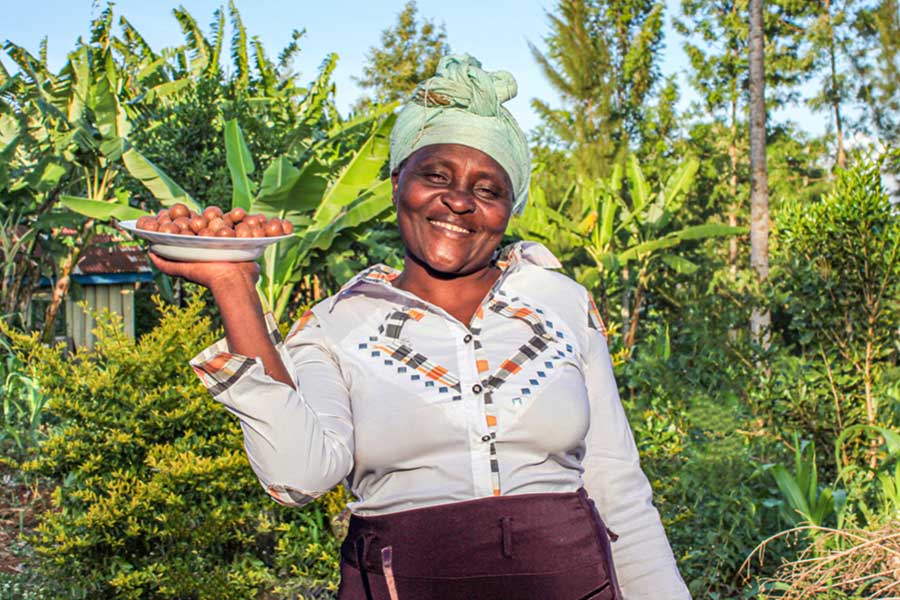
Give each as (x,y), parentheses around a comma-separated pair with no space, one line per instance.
(510,258)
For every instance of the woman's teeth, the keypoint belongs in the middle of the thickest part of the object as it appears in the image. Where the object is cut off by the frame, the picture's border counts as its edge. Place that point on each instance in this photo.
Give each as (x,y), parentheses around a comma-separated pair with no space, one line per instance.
(448,226)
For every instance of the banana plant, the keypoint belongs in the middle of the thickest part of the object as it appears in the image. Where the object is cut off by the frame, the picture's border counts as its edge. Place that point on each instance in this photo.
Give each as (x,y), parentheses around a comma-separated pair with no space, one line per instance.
(804,501)
(320,209)
(621,238)
(73,128)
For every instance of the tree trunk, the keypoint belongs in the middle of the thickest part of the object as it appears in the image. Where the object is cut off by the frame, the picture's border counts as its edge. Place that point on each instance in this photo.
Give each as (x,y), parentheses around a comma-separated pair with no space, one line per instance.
(835,97)
(759,178)
(631,334)
(64,280)
(733,157)
(732,188)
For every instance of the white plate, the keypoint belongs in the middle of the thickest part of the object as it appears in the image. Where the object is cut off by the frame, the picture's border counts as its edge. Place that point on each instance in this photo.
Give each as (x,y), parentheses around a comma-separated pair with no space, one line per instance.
(191,248)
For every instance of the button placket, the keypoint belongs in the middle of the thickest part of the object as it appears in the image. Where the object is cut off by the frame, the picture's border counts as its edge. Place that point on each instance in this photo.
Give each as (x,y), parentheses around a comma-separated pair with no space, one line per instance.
(483,389)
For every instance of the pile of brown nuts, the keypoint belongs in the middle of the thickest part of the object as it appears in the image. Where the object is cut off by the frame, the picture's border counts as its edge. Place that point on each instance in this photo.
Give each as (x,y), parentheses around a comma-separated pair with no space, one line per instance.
(212,222)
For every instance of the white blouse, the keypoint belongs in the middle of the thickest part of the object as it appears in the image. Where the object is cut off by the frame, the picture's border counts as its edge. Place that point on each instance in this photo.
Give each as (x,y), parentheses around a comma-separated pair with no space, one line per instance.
(411,408)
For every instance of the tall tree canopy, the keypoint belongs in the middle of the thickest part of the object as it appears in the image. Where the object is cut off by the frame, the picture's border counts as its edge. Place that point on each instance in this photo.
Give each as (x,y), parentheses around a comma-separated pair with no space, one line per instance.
(408,53)
(601,57)
(878,65)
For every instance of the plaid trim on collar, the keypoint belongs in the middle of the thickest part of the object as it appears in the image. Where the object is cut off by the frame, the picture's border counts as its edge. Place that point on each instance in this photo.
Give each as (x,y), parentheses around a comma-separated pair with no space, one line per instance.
(527,253)
(513,255)
(375,275)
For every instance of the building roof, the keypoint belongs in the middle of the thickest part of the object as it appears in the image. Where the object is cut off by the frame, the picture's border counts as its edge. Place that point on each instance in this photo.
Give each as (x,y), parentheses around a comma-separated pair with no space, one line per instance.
(106,256)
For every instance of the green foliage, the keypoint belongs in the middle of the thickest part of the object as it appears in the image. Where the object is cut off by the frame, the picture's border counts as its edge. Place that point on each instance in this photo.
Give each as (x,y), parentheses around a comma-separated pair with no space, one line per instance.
(23,407)
(408,53)
(685,389)
(627,242)
(155,498)
(805,501)
(601,58)
(840,289)
(877,65)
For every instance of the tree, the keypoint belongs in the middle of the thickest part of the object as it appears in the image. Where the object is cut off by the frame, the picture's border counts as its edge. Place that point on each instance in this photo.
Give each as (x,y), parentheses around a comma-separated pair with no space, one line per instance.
(720,79)
(831,36)
(602,58)
(878,65)
(409,52)
(628,244)
(759,176)
(717,47)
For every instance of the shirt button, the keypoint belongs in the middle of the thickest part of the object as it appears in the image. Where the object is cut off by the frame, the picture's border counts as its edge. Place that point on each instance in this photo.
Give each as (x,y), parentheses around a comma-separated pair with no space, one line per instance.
(476,388)
(468,338)
(485,438)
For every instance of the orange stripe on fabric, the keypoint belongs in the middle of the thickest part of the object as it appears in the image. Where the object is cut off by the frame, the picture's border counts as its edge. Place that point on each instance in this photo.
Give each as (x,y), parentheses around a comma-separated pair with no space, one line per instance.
(510,366)
(301,323)
(482,365)
(491,420)
(479,313)
(415,314)
(496,492)
(383,276)
(437,372)
(276,497)
(216,363)
(522,313)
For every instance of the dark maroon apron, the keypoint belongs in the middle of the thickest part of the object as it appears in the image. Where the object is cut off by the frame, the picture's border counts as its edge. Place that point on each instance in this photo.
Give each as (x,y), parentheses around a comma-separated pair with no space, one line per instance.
(550,546)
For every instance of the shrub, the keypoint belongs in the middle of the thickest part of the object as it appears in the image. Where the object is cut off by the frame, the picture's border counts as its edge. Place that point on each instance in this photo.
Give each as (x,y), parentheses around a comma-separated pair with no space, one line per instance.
(155,497)
(838,277)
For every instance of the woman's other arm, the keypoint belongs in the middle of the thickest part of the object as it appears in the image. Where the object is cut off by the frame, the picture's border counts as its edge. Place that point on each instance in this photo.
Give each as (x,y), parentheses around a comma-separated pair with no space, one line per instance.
(613,477)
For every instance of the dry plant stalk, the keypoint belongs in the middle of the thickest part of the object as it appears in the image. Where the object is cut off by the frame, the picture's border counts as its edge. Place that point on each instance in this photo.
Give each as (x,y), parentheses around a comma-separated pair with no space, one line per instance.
(838,560)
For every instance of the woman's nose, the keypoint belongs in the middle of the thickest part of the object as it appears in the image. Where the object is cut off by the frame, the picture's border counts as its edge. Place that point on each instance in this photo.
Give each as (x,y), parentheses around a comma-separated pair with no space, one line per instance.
(459,200)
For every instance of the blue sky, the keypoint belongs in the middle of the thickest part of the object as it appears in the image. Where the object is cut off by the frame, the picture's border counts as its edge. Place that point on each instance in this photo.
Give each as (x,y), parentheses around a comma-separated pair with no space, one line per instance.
(495,31)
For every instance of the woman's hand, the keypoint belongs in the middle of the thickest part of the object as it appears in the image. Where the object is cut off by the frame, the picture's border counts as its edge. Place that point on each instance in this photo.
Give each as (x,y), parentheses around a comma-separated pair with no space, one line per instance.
(217,276)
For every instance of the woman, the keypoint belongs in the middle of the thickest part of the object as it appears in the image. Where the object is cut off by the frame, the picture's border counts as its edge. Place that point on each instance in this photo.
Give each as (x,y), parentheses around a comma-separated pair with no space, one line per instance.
(468,400)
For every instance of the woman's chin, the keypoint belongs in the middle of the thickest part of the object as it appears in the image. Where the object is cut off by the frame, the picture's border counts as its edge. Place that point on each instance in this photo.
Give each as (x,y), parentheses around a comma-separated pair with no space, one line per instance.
(447,264)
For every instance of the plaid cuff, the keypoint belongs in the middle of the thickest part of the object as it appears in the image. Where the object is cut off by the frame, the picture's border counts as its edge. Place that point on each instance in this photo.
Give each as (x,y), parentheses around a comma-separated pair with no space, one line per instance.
(291,497)
(219,369)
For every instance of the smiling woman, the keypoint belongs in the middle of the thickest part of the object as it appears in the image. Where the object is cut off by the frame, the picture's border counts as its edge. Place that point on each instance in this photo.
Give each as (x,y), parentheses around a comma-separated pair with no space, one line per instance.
(468,401)
(453,204)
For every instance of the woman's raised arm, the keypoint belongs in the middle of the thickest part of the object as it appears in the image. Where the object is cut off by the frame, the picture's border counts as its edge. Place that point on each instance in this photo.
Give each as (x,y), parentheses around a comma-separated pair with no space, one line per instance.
(233,286)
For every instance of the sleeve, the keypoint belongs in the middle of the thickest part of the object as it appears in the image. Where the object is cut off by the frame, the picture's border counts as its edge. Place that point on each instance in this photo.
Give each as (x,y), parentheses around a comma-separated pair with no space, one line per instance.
(299,441)
(643,559)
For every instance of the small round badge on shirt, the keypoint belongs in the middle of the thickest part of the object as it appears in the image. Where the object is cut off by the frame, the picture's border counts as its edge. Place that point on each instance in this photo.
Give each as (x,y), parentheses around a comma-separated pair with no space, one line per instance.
(476,388)
(485,438)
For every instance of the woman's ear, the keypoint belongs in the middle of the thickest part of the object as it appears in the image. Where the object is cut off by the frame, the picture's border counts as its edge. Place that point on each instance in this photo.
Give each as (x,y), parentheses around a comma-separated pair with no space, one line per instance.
(395,183)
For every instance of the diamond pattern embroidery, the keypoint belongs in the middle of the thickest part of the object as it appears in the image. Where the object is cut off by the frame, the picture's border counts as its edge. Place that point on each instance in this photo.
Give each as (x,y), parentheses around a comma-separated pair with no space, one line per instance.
(407,360)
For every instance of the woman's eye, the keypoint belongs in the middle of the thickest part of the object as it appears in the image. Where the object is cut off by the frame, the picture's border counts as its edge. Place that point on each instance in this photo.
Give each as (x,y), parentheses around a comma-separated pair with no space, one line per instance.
(487,192)
(436,177)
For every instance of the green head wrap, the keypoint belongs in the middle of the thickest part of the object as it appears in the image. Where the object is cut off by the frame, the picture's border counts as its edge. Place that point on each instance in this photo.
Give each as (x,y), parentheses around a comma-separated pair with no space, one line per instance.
(461,104)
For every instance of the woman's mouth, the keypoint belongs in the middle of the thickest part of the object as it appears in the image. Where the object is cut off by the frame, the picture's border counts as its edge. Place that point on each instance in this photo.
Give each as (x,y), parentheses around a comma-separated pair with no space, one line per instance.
(449,226)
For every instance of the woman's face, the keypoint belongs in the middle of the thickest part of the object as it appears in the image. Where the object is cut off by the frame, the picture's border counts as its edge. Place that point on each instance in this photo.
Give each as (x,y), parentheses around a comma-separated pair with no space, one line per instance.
(453,203)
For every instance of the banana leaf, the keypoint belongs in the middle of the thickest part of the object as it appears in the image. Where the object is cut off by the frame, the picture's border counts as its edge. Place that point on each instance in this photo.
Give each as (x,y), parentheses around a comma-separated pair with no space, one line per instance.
(637,185)
(154,179)
(100,209)
(359,174)
(289,192)
(240,165)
